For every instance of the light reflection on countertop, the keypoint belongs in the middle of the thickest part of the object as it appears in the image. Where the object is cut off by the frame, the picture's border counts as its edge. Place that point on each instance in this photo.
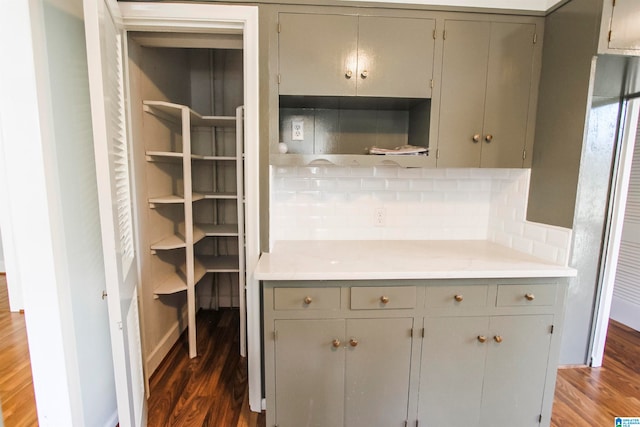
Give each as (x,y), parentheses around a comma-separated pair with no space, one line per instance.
(400,259)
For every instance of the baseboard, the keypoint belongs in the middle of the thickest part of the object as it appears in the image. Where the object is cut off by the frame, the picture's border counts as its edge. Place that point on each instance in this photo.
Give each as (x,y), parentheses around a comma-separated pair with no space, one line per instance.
(113,420)
(2,267)
(625,312)
(162,349)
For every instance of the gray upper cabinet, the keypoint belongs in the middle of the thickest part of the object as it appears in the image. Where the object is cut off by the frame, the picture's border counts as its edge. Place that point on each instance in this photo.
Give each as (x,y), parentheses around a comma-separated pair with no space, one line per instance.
(489,81)
(348,55)
(620,30)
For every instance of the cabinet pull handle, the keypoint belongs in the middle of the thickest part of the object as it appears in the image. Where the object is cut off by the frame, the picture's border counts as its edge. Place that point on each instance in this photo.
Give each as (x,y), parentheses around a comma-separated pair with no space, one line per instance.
(497,339)
(364,74)
(488,138)
(353,342)
(476,138)
(348,74)
(458,298)
(336,343)
(530,297)
(307,300)
(384,299)
(482,338)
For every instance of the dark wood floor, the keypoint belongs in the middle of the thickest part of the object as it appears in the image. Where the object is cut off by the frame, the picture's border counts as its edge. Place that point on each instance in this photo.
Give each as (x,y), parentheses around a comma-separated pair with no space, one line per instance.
(211,390)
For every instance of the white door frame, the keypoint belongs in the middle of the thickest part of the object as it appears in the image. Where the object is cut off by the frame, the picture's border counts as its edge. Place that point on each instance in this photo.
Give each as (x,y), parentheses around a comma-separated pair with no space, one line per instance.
(203,18)
(611,247)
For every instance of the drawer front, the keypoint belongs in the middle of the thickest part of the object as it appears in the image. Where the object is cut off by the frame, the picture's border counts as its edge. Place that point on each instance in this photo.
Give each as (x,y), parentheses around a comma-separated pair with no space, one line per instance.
(457,296)
(381,297)
(306,298)
(526,295)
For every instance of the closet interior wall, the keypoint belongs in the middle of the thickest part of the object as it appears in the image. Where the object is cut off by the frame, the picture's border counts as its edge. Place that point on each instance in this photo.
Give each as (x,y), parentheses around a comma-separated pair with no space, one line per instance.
(210,82)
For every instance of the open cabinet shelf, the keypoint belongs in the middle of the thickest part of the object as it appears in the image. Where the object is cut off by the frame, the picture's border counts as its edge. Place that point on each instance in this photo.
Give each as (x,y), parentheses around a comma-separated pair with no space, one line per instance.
(217,177)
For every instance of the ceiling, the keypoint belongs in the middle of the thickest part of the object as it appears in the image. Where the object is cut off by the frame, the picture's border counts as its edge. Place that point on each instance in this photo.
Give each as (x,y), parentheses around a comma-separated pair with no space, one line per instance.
(531,5)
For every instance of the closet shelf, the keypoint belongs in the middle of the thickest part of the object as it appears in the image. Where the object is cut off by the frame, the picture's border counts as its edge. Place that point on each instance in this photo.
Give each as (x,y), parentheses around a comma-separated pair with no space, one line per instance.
(220,264)
(173,112)
(218,229)
(177,281)
(170,242)
(221,195)
(214,158)
(172,198)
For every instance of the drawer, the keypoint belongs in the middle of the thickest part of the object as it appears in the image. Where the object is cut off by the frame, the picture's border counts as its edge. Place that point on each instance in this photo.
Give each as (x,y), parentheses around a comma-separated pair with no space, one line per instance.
(306,298)
(381,297)
(526,295)
(457,296)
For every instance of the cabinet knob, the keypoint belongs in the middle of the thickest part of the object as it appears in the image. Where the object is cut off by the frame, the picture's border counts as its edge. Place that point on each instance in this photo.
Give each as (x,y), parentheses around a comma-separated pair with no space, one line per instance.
(384,299)
(307,300)
(364,74)
(348,74)
(336,343)
(488,138)
(530,297)
(476,138)
(458,298)
(353,342)
(497,339)
(482,338)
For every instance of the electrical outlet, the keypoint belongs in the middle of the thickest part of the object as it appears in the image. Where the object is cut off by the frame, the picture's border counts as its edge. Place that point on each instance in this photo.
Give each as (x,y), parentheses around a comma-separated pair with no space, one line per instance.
(297,130)
(380,217)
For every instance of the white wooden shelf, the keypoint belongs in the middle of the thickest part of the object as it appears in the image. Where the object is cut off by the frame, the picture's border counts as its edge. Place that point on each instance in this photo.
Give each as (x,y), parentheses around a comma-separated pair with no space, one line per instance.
(168,199)
(170,242)
(221,195)
(215,158)
(177,281)
(173,112)
(220,264)
(218,229)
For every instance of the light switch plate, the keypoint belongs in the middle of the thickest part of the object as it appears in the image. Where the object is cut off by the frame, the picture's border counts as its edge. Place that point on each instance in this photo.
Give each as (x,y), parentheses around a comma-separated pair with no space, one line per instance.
(297,130)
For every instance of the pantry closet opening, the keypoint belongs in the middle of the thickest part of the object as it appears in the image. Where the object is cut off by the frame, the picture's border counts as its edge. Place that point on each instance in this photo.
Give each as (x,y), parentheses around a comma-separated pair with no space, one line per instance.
(186,95)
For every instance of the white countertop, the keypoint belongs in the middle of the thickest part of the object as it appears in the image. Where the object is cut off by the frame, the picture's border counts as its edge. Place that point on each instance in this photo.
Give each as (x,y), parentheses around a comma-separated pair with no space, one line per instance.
(400,259)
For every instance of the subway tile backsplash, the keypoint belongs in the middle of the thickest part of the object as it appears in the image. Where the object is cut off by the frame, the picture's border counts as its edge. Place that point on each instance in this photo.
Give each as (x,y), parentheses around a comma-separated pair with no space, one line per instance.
(343,203)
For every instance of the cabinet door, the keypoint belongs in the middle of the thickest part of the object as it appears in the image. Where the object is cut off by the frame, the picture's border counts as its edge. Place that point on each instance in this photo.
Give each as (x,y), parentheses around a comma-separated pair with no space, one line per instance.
(315,54)
(625,31)
(516,370)
(396,56)
(452,368)
(464,78)
(309,373)
(509,80)
(378,370)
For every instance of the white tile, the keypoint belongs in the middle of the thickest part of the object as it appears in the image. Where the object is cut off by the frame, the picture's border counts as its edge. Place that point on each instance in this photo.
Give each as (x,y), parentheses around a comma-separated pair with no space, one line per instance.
(373,184)
(544,251)
(409,173)
(310,171)
(285,171)
(515,228)
(337,171)
(295,184)
(535,232)
(385,171)
(434,173)
(422,184)
(397,184)
(385,196)
(445,185)
(361,171)
(558,238)
(521,244)
(324,184)
(458,173)
(503,239)
(409,196)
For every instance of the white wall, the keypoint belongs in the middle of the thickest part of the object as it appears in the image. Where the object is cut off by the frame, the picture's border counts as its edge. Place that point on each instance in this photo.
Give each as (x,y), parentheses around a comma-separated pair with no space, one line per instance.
(339,203)
(625,305)
(2,267)
(47,156)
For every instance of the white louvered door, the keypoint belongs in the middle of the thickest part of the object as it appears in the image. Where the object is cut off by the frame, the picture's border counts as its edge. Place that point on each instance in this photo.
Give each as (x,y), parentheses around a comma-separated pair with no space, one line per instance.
(104,34)
(626,292)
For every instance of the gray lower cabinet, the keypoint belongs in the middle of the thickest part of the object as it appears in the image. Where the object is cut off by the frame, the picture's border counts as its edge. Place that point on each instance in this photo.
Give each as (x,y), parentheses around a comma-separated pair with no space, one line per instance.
(324,367)
(348,55)
(464,353)
(484,371)
(488,81)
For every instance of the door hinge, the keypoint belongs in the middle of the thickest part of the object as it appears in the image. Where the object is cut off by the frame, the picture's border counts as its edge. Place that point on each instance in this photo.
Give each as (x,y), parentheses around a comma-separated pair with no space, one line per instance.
(437,153)
(609,36)
(279,28)
(278,78)
(614,3)
(120,325)
(406,423)
(435,34)
(540,418)
(411,334)
(432,84)
(444,34)
(524,154)
(275,335)
(535,38)
(551,329)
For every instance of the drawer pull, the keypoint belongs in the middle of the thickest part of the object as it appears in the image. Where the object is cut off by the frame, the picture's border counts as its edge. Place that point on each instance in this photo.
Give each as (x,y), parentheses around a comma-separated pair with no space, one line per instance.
(307,300)
(336,343)
(348,74)
(458,298)
(482,338)
(353,342)
(364,74)
(475,138)
(530,297)
(497,339)
(384,299)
